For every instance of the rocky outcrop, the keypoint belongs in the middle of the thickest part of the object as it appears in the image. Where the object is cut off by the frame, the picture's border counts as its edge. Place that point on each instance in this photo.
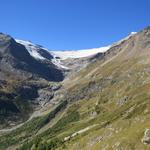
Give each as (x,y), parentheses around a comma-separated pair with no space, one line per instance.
(45,95)
(16,61)
(146,137)
(123,101)
(22,77)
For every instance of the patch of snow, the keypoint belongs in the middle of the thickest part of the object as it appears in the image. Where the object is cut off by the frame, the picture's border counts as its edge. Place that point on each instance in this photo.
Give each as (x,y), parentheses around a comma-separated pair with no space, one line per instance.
(132,33)
(124,39)
(58,63)
(32,49)
(80,53)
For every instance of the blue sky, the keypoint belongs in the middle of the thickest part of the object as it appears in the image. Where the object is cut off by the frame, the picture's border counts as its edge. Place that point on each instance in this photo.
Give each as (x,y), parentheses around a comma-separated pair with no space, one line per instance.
(73,24)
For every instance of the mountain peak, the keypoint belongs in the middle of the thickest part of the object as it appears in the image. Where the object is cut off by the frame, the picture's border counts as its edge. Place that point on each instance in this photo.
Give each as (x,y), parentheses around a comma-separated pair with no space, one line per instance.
(147,28)
(5,37)
(132,33)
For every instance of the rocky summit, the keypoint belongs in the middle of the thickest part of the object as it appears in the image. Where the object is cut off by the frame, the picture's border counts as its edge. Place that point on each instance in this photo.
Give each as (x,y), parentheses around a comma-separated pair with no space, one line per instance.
(93,99)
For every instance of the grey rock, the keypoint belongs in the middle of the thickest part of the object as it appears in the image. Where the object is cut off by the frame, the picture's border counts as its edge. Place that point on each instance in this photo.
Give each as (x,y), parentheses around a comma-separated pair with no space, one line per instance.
(123,101)
(146,137)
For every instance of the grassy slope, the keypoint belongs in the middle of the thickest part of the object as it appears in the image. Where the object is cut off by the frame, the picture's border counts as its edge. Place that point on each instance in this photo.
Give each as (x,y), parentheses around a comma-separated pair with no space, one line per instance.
(29,129)
(122,103)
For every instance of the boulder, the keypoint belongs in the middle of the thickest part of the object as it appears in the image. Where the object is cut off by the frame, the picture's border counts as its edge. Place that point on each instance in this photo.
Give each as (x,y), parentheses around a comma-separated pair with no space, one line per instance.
(146,137)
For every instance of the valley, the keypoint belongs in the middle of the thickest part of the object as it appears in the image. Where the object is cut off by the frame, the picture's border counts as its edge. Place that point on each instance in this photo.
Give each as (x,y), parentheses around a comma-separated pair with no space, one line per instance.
(87,101)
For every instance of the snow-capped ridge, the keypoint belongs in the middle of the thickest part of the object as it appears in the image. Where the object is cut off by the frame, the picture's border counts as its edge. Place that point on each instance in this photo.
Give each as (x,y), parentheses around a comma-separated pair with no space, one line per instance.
(87,52)
(80,53)
(32,48)
(124,39)
(33,51)
(58,56)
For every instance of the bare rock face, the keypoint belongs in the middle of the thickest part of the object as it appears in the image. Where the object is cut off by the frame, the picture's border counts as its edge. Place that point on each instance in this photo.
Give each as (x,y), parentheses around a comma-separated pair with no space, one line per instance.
(20,79)
(123,100)
(146,137)
(15,60)
(45,95)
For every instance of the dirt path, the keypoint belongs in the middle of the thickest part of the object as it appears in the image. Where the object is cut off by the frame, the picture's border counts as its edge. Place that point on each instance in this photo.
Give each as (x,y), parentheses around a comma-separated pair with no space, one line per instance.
(80,132)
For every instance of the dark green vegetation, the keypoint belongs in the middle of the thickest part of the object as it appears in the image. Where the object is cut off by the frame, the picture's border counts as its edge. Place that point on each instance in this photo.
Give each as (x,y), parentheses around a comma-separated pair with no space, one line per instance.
(47,140)
(29,128)
(13,107)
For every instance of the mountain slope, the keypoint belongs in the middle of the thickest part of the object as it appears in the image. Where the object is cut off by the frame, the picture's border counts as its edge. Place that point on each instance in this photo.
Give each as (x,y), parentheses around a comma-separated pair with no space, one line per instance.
(109,101)
(72,60)
(14,56)
(115,97)
(105,105)
(21,78)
